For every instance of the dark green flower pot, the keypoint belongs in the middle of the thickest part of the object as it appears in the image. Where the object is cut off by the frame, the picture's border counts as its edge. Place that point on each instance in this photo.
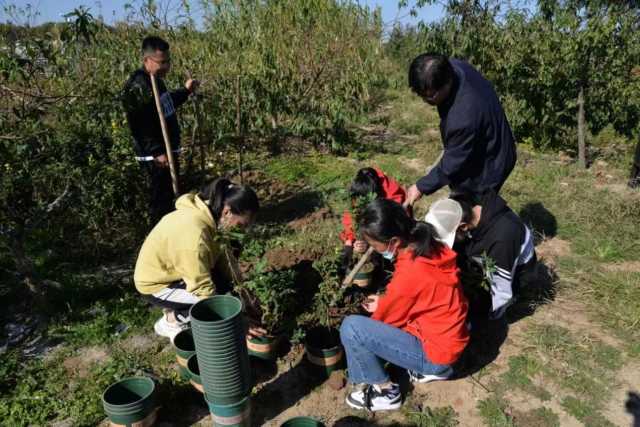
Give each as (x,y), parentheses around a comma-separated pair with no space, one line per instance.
(194,373)
(129,401)
(362,279)
(302,422)
(235,414)
(185,348)
(323,349)
(223,359)
(262,347)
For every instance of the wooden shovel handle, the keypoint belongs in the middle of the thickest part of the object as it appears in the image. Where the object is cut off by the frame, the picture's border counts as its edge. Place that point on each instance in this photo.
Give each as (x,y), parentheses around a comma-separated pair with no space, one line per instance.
(347,280)
(165,136)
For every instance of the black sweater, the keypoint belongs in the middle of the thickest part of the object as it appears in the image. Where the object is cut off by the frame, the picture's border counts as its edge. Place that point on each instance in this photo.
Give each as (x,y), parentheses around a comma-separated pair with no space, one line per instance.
(144,123)
(479,149)
(504,239)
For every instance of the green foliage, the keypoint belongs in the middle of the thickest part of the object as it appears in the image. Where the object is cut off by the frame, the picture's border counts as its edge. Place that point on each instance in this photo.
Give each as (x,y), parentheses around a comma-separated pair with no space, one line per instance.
(437,417)
(539,60)
(494,413)
(584,412)
(521,371)
(276,294)
(69,180)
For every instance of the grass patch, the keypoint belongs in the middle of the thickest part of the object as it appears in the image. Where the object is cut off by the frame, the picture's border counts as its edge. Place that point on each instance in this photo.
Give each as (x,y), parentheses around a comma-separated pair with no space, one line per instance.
(539,417)
(583,366)
(436,417)
(521,370)
(585,412)
(410,115)
(493,411)
(44,391)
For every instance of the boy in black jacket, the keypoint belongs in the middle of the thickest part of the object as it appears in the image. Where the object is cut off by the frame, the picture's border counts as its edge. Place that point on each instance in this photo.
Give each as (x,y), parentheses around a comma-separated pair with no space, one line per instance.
(144,122)
(479,148)
(488,236)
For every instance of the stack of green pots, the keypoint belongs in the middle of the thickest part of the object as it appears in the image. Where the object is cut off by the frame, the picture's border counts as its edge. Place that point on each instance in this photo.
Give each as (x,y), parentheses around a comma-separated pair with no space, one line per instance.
(131,401)
(219,334)
(185,348)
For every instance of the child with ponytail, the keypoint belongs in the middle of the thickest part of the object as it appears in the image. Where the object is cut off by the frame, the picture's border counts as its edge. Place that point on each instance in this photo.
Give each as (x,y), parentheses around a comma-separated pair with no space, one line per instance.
(182,260)
(368,181)
(418,324)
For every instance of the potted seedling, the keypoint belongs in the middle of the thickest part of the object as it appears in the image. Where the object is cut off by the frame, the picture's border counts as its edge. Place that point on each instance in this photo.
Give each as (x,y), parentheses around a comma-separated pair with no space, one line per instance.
(330,305)
(275,295)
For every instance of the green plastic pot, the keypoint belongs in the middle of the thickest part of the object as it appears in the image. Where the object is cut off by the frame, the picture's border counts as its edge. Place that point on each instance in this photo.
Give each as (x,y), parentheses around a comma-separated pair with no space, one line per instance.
(215,311)
(194,373)
(185,348)
(323,349)
(262,347)
(362,279)
(129,401)
(235,414)
(302,422)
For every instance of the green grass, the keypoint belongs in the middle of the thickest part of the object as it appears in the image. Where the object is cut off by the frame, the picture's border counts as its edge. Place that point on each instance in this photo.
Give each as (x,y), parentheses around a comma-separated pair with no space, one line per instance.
(436,417)
(522,369)
(600,225)
(584,412)
(493,411)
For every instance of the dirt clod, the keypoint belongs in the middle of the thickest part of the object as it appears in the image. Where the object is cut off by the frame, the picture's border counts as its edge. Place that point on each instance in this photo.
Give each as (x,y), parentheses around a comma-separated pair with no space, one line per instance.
(336,380)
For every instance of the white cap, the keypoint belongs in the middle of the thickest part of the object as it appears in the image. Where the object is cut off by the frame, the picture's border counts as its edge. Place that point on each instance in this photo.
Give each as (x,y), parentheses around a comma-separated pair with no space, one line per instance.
(445,215)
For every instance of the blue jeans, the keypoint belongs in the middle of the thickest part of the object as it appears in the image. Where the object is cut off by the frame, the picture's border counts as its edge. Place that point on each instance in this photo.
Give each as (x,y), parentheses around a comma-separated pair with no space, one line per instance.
(369,343)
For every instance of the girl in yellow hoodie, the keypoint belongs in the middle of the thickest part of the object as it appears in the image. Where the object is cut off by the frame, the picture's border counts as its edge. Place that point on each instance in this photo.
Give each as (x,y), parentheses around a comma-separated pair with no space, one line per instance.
(181,261)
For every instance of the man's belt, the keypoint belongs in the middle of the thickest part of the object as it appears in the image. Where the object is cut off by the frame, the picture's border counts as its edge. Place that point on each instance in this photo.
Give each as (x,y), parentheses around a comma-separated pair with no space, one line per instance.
(150,158)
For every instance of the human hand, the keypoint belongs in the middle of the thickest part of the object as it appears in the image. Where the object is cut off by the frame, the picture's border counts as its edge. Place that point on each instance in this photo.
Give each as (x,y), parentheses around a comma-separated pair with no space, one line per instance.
(161,161)
(371,304)
(413,194)
(360,246)
(192,85)
(256,332)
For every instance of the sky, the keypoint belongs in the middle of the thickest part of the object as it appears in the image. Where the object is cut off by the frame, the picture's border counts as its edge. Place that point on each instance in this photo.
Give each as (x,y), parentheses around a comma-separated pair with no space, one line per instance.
(113,10)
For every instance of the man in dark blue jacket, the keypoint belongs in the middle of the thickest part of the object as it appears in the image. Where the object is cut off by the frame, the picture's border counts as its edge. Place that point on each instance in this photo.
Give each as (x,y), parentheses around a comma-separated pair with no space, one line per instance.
(479,149)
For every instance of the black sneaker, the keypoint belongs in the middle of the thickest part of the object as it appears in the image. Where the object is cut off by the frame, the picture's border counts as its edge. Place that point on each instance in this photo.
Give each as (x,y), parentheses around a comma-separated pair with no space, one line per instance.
(373,398)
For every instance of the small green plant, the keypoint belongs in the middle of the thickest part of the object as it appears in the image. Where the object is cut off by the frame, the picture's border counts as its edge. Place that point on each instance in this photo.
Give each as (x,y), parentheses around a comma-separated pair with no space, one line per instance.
(333,301)
(494,412)
(275,294)
(437,417)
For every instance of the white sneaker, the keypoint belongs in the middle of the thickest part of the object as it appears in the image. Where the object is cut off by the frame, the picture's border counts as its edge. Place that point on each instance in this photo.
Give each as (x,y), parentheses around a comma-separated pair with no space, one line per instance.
(373,398)
(165,328)
(416,377)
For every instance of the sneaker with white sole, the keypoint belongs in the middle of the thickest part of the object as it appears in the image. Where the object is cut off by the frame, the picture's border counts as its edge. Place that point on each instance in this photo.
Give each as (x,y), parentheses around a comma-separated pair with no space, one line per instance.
(165,328)
(416,377)
(374,398)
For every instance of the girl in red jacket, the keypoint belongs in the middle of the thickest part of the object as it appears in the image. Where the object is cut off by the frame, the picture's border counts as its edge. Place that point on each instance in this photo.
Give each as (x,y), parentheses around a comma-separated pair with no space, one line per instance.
(418,324)
(367,181)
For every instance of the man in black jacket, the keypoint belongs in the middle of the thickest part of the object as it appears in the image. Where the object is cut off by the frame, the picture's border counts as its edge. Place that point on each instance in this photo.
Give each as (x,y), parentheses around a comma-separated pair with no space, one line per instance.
(490,239)
(144,122)
(479,149)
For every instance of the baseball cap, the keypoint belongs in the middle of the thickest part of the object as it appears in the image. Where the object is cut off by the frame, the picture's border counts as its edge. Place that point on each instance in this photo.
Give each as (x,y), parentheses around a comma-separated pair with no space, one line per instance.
(445,216)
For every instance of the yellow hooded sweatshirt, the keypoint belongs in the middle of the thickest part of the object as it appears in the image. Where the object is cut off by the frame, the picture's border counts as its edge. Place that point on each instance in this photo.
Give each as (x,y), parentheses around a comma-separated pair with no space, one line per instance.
(181,246)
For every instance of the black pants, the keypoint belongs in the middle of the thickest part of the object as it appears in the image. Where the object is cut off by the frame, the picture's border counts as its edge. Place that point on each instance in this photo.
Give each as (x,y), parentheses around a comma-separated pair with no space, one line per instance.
(634,179)
(161,197)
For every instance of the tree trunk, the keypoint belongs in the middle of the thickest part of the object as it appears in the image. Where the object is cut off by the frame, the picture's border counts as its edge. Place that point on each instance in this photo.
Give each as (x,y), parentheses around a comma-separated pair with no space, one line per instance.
(582,148)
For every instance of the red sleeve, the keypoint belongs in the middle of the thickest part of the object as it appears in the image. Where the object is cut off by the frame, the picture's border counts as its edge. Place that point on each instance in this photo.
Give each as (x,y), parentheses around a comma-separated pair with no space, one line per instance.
(347,234)
(395,304)
(392,190)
